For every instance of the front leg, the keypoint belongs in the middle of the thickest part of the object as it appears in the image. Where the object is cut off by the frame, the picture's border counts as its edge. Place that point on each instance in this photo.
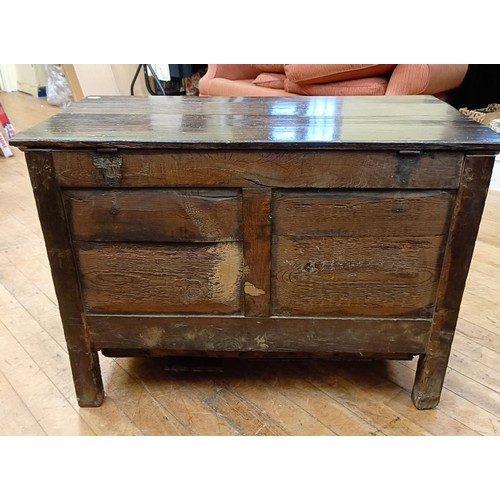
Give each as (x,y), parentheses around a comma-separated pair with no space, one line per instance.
(431,370)
(87,377)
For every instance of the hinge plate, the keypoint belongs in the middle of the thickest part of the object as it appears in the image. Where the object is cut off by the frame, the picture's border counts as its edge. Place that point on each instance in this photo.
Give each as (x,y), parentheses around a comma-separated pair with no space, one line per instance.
(409,152)
(108,164)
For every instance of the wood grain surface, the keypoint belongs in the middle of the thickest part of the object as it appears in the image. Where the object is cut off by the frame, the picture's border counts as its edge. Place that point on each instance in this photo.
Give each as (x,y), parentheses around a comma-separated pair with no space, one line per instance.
(361,281)
(256,122)
(369,253)
(183,278)
(257,230)
(465,223)
(341,213)
(166,215)
(368,276)
(84,360)
(267,335)
(267,168)
(311,397)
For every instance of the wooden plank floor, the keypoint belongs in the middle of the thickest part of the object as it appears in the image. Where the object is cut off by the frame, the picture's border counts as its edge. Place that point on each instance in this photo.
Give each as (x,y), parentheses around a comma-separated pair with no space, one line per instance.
(244,397)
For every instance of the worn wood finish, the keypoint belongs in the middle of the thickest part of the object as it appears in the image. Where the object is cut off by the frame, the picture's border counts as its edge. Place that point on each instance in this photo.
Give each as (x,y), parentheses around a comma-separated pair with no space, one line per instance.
(346,263)
(471,197)
(257,250)
(393,276)
(267,168)
(369,123)
(332,234)
(185,278)
(84,360)
(340,213)
(267,335)
(314,397)
(155,215)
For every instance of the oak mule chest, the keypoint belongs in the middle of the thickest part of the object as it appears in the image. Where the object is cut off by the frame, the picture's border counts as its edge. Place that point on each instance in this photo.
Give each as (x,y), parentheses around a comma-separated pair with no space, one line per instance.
(319,226)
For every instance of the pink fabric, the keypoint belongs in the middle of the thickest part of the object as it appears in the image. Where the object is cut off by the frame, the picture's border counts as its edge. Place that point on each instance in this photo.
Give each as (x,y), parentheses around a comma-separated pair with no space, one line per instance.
(362,86)
(228,71)
(308,74)
(427,79)
(406,79)
(270,68)
(222,86)
(271,80)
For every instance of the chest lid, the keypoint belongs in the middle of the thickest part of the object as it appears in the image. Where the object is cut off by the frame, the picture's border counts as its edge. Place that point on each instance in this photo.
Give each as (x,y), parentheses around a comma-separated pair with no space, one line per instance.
(181,122)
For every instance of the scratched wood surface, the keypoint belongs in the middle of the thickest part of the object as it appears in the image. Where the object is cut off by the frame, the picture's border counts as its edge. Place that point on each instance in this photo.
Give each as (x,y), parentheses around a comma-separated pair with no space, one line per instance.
(371,253)
(393,277)
(356,276)
(246,397)
(280,336)
(257,250)
(339,213)
(322,122)
(153,215)
(347,169)
(190,278)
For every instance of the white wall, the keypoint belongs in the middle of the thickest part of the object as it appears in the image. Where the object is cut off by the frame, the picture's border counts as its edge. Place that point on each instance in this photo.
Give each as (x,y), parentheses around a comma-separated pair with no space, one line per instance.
(8,77)
(107,79)
(495,178)
(30,77)
(93,79)
(24,77)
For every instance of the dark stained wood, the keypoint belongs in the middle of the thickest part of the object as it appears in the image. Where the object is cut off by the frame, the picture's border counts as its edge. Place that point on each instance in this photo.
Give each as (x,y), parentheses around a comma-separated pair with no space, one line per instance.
(304,398)
(184,278)
(267,335)
(471,197)
(257,251)
(266,168)
(84,360)
(259,122)
(163,241)
(199,357)
(165,215)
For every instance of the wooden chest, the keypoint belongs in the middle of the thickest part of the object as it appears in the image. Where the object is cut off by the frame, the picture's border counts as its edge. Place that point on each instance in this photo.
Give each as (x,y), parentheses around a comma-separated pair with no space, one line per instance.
(260,226)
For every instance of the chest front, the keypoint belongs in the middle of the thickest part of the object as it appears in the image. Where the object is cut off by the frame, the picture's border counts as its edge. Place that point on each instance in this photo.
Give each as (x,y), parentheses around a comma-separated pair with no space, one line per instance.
(217,233)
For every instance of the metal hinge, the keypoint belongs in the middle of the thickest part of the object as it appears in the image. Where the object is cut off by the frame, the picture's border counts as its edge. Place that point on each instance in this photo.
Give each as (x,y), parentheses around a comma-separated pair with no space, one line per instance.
(409,152)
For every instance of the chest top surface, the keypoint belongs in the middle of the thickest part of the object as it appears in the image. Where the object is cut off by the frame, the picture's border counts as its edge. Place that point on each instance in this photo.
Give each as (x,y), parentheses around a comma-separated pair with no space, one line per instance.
(179,122)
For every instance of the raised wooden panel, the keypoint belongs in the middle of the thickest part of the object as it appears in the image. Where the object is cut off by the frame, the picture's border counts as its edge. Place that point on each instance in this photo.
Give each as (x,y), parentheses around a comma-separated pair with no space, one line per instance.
(362,213)
(356,276)
(166,215)
(178,278)
(321,169)
(361,254)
